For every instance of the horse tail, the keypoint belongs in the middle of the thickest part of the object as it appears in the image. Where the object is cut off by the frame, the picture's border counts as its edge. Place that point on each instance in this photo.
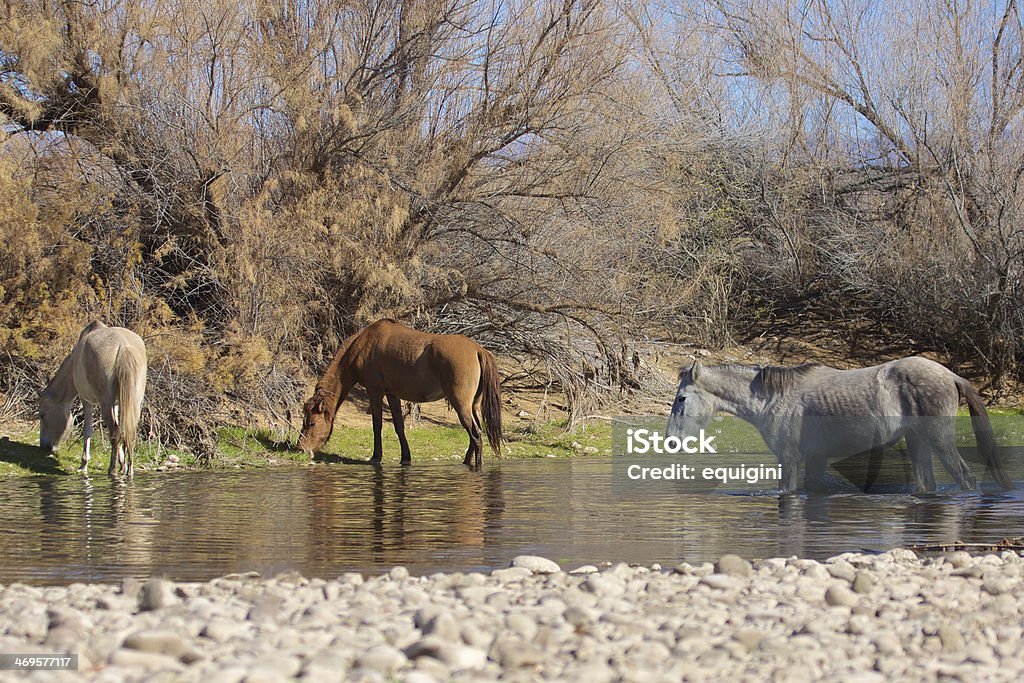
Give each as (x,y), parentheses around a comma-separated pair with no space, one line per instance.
(490,386)
(983,433)
(127,371)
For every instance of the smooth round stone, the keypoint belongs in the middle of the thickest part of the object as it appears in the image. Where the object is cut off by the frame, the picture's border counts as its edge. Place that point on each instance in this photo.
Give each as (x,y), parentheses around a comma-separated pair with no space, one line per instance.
(584,569)
(603,586)
(351,579)
(161,642)
(959,559)
(901,555)
(840,596)
(156,594)
(520,623)
(443,625)
(733,565)
(457,657)
(842,570)
(382,658)
(863,583)
(511,574)
(720,581)
(536,564)
(417,676)
(513,653)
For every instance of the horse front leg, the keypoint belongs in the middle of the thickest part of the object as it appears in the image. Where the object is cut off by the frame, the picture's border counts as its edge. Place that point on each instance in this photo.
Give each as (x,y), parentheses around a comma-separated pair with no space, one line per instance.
(398,420)
(376,410)
(87,410)
(814,472)
(792,464)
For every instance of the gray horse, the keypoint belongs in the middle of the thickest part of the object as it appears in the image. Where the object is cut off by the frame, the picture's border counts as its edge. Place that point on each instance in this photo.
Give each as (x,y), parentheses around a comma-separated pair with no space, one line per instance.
(811,413)
(107,367)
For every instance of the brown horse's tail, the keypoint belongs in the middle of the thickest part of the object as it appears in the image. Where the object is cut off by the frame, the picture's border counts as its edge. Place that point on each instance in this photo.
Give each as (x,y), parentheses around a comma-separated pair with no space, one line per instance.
(130,376)
(490,386)
(983,433)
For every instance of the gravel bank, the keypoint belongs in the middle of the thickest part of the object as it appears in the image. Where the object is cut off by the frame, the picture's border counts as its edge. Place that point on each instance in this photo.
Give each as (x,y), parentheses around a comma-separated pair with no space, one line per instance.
(851,618)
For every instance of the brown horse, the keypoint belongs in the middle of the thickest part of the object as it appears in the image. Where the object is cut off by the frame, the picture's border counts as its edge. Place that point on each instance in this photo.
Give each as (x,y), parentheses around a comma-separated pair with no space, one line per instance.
(394,362)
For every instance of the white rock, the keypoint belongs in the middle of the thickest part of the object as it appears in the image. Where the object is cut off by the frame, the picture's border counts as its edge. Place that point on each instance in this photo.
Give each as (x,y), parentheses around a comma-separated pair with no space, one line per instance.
(536,564)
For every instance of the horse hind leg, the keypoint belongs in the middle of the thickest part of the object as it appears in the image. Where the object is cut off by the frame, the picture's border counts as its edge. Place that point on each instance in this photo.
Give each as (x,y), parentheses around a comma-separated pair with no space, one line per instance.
(465,413)
(478,421)
(921,464)
(940,439)
(110,422)
(956,466)
(954,463)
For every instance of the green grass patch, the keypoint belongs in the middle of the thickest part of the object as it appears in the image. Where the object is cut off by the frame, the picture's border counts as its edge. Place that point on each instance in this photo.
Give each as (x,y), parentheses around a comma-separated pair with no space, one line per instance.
(239,447)
(442,442)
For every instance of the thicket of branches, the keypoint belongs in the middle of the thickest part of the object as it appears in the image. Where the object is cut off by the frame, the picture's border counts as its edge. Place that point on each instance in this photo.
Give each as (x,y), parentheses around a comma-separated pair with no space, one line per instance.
(245,184)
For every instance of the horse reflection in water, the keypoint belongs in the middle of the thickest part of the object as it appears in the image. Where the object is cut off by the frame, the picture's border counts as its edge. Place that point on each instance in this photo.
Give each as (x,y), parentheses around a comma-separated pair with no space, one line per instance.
(404,516)
(106,368)
(869,522)
(95,530)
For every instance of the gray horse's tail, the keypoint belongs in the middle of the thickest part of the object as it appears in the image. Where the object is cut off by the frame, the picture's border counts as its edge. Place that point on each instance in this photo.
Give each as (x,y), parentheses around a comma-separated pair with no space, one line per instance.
(490,386)
(127,371)
(983,433)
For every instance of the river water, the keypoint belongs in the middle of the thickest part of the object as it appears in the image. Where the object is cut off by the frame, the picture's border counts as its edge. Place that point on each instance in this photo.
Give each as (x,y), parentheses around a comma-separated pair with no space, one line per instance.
(325,519)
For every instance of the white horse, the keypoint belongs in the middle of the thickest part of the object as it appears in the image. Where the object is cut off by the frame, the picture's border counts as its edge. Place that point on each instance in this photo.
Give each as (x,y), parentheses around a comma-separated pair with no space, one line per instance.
(107,368)
(811,413)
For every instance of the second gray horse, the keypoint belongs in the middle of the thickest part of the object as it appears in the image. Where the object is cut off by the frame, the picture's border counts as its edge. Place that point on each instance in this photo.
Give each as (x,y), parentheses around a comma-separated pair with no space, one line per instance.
(811,413)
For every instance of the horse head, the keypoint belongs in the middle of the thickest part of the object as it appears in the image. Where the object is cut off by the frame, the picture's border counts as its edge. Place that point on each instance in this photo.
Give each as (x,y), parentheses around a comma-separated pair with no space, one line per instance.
(54,420)
(693,406)
(317,423)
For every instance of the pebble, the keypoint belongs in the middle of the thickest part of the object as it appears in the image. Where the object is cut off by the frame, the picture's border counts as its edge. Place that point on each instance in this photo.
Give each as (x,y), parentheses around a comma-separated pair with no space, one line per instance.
(839,595)
(733,565)
(163,643)
(536,564)
(863,583)
(603,585)
(381,658)
(719,581)
(852,618)
(156,594)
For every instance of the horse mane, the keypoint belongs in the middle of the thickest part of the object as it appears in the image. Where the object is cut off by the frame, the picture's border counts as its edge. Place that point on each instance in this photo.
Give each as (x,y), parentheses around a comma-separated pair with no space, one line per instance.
(776,379)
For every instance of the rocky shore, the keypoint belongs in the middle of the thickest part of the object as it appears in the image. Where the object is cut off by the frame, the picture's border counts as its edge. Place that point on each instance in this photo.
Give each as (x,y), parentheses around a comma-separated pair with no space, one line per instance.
(853,617)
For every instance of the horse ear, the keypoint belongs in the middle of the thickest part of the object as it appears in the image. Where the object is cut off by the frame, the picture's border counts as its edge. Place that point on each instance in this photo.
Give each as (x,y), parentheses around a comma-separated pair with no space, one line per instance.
(695,370)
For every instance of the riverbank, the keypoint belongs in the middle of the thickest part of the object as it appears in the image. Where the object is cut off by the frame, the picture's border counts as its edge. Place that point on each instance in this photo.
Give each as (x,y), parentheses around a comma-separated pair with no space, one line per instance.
(859,617)
(239,447)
